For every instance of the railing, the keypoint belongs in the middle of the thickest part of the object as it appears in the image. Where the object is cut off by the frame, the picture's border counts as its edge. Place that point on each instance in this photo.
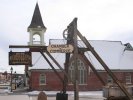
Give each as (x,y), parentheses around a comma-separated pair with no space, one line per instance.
(36,43)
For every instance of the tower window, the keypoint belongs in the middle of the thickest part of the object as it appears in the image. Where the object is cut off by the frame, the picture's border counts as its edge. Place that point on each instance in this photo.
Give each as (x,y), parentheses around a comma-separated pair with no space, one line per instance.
(36,39)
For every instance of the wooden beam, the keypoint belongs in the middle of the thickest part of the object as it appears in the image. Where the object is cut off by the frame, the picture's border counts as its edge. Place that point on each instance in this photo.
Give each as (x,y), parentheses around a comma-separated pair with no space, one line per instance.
(52,67)
(57,63)
(26,46)
(93,68)
(44,48)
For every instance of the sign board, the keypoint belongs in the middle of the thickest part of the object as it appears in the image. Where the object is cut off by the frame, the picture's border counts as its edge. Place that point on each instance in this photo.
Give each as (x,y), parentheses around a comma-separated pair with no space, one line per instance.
(60,48)
(20,58)
(13,86)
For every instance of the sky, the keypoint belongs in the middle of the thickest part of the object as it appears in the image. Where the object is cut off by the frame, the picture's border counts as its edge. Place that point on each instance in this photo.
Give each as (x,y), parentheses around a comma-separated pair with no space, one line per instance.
(97,20)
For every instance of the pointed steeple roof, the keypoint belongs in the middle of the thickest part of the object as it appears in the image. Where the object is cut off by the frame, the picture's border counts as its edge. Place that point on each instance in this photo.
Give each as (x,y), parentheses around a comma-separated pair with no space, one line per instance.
(36,19)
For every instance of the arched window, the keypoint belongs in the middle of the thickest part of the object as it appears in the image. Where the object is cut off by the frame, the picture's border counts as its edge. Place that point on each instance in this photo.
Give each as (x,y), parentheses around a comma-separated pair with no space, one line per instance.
(42,79)
(36,38)
(82,72)
(71,72)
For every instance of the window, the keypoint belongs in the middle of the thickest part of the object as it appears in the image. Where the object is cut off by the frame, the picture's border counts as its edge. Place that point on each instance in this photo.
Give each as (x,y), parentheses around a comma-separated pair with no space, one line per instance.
(36,38)
(128,78)
(71,72)
(82,72)
(109,79)
(42,79)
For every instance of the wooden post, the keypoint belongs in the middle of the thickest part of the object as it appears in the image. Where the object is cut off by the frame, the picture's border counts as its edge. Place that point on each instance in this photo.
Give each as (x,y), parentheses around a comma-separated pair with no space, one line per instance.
(76,90)
(72,39)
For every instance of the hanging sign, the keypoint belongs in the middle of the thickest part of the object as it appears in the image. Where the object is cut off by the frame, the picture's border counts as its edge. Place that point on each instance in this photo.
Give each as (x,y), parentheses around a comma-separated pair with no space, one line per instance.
(20,58)
(60,48)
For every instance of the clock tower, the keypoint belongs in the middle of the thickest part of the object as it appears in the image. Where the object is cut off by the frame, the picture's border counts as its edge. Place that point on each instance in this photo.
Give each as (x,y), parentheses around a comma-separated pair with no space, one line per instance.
(36,29)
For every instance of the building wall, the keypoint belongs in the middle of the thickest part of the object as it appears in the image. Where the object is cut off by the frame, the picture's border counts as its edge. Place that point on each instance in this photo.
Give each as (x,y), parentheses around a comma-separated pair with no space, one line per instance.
(93,83)
(4,77)
(52,81)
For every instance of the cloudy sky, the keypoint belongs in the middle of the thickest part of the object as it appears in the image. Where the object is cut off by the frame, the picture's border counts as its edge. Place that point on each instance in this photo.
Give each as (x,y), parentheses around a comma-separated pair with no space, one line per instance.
(97,20)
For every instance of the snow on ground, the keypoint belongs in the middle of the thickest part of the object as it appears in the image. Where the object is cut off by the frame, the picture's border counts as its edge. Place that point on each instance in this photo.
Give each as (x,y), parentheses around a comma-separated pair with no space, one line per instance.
(51,95)
(81,93)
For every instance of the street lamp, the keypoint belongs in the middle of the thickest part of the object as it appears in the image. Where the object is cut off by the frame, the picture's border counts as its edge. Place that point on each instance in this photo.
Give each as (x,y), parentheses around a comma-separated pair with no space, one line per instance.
(15,79)
(11,78)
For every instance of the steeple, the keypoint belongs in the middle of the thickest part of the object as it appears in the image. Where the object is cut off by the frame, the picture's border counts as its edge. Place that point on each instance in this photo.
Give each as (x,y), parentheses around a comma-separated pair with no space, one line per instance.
(36,29)
(36,19)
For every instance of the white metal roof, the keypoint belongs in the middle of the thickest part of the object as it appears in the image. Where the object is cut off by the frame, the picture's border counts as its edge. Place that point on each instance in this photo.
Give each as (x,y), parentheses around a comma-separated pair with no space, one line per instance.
(113,54)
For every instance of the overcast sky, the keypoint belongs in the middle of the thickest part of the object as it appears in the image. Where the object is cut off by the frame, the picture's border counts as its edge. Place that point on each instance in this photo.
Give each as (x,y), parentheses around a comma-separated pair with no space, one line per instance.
(97,20)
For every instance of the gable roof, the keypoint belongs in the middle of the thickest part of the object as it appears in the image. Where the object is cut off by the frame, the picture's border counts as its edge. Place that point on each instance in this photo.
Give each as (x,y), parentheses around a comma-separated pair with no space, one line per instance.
(36,19)
(113,54)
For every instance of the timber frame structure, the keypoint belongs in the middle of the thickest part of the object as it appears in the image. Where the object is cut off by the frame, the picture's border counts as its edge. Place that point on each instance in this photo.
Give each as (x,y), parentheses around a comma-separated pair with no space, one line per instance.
(72,34)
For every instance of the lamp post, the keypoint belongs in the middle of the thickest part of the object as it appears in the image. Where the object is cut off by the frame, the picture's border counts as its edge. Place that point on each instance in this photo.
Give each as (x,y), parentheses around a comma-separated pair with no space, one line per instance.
(11,78)
(15,79)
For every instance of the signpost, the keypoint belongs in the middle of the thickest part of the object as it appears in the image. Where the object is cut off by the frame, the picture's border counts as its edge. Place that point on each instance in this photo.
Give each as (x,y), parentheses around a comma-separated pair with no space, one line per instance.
(20,58)
(60,48)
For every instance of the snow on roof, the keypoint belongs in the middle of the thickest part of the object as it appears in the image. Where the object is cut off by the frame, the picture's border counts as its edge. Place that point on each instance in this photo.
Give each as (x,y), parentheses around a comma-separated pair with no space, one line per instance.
(113,54)
(38,62)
